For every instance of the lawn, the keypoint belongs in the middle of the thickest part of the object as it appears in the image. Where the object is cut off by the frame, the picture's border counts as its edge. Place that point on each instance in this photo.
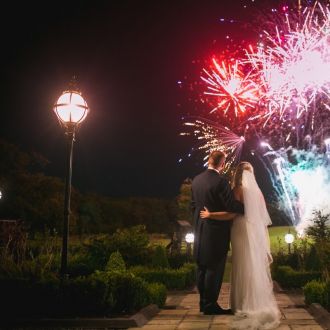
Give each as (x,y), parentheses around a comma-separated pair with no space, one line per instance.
(276,236)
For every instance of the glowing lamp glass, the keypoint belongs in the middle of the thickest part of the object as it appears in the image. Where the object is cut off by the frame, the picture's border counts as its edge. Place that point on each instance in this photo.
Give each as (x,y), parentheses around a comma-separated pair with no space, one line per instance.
(190,238)
(71,108)
(289,238)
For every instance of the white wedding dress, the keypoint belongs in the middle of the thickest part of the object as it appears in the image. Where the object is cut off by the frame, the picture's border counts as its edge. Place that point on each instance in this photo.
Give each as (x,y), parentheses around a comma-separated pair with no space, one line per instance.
(252,297)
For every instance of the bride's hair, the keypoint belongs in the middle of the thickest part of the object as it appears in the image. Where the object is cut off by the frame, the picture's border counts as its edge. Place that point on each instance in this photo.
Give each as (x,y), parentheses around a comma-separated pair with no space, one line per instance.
(237,181)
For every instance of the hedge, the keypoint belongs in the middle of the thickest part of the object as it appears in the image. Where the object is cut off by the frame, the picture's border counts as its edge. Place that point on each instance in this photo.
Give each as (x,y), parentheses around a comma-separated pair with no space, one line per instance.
(179,279)
(289,278)
(100,294)
(317,292)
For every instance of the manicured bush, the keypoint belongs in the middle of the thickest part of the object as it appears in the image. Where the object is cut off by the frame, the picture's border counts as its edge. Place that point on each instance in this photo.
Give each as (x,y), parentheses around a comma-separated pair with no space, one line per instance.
(313,261)
(159,258)
(116,263)
(179,279)
(177,260)
(327,295)
(85,296)
(100,294)
(314,292)
(190,270)
(289,278)
(157,293)
(317,292)
(130,292)
(132,243)
(79,264)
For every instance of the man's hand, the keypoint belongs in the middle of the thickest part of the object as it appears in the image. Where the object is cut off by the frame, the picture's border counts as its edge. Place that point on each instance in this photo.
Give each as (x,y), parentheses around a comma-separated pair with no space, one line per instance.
(205,213)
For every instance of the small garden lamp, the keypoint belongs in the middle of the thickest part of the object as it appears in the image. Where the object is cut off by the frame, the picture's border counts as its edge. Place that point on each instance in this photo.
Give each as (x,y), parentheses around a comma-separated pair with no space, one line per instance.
(71,109)
(289,238)
(189,238)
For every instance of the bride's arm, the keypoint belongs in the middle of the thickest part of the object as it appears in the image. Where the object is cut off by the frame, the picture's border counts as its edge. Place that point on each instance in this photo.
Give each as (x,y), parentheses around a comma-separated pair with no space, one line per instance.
(238,193)
(206,214)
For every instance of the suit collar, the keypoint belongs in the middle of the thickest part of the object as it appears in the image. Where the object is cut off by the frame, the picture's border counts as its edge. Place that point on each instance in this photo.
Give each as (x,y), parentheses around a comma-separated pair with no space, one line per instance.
(213,170)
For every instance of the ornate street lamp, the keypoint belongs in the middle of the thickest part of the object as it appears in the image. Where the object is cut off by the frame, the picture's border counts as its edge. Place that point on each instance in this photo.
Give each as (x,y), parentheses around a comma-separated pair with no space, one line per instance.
(71,109)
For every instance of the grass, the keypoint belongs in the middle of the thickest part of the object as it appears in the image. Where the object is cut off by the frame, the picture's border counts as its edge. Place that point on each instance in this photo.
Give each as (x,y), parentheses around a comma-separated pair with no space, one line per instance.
(159,239)
(276,236)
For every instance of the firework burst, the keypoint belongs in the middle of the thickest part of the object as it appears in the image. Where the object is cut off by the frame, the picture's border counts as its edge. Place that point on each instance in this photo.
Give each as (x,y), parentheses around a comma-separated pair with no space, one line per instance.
(292,63)
(216,137)
(278,91)
(233,89)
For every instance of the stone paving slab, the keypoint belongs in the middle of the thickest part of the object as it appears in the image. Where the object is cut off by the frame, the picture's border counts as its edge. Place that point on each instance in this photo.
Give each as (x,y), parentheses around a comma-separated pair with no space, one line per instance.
(187,316)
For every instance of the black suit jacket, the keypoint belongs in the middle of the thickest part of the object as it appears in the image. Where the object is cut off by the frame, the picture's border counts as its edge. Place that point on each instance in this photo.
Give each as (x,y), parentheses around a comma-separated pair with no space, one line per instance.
(212,237)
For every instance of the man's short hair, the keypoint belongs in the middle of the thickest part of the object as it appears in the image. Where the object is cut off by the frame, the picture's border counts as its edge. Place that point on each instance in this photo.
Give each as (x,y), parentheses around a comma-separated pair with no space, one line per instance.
(216,158)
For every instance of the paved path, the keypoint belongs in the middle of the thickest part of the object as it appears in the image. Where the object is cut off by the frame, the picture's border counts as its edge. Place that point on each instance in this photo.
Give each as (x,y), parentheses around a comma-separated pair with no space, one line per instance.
(186,314)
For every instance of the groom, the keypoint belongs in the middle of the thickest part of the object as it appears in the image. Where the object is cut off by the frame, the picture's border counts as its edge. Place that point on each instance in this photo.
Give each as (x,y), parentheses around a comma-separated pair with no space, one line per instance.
(212,237)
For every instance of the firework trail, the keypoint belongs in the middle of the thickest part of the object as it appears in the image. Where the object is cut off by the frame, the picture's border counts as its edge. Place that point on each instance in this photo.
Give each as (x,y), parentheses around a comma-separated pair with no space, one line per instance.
(215,137)
(304,181)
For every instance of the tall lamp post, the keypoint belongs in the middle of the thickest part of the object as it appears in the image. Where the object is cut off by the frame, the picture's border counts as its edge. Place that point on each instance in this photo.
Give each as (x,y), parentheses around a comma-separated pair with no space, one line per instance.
(71,109)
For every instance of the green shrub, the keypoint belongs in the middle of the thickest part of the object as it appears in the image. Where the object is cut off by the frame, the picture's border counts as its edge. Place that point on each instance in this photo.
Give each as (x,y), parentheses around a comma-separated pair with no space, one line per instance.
(179,279)
(315,292)
(157,294)
(177,260)
(132,243)
(320,230)
(327,295)
(190,270)
(85,296)
(289,278)
(323,254)
(127,292)
(116,263)
(80,264)
(318,292)
(313,261)
(100,294)
(159,258)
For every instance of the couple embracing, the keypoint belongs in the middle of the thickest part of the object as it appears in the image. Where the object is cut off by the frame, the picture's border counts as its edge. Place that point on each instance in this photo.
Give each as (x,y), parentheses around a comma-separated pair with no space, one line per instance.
(239,216)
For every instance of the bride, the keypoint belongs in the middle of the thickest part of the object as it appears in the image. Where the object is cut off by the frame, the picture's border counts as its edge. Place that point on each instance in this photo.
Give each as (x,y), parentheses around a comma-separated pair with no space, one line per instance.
(251,297)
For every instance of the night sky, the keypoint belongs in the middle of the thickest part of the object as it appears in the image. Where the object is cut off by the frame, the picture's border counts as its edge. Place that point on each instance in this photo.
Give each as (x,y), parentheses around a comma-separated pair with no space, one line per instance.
(128,57)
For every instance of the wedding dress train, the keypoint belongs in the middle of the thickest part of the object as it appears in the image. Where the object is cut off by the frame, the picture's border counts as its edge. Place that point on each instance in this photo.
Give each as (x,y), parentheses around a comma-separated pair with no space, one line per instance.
(252,297)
